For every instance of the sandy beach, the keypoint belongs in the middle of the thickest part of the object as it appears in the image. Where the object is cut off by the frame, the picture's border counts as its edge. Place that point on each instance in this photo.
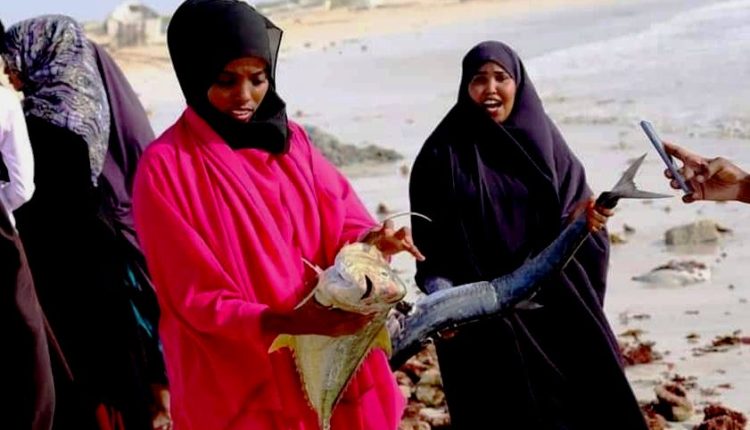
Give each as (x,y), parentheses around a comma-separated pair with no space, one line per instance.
(316,28)
(388,75)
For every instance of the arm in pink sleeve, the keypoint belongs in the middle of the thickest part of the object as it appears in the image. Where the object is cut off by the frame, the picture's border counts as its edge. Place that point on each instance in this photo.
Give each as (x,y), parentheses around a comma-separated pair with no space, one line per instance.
(189,279)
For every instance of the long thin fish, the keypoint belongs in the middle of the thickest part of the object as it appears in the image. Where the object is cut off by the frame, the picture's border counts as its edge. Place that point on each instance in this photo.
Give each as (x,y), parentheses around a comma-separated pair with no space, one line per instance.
(454,306)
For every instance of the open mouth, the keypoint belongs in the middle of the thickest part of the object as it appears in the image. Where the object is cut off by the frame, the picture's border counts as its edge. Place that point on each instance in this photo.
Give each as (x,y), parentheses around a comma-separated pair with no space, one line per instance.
(492,105)
(242,114)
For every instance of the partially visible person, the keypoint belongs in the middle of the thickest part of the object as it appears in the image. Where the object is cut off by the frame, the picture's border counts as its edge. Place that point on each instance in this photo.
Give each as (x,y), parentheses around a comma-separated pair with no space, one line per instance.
(16,157)
(28,385)
(87,131)
(716,179)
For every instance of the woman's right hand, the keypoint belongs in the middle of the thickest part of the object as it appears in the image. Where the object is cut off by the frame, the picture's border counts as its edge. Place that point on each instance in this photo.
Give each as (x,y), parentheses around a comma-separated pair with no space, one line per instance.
(312,318)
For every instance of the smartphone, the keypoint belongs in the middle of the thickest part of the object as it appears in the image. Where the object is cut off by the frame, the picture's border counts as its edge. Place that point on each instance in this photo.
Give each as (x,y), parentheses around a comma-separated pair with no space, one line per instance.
(656,141)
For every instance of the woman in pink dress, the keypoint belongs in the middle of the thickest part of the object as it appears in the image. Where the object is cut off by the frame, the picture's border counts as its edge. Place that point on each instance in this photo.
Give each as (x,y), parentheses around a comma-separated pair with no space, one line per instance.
(228,202)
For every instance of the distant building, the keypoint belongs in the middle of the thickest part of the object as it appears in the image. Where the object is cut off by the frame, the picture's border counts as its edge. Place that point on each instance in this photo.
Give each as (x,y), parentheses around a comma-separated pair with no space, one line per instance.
(133,23)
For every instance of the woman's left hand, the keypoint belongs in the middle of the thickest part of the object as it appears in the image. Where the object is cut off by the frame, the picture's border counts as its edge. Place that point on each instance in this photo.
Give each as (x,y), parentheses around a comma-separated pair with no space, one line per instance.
(596,216)
(390,241)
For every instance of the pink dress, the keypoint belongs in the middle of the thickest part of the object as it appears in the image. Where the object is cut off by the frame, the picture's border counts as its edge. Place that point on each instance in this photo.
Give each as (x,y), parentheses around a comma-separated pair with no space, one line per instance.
(224,232)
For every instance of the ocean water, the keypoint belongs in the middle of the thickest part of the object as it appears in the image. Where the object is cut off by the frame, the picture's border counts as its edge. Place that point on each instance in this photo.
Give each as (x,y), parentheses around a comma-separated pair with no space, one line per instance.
(680,63)
(688,74)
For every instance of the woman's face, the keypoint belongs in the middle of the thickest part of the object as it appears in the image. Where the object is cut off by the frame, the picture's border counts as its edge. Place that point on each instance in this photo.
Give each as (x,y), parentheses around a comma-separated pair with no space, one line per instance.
(239,88)
(493,88)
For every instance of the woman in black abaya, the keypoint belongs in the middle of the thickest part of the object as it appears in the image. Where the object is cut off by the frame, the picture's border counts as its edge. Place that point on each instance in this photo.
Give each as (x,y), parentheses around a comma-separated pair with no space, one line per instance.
(499,183)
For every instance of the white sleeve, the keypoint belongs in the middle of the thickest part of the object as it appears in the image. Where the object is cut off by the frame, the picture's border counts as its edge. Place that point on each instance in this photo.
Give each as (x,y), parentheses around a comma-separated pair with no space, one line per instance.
(16,153)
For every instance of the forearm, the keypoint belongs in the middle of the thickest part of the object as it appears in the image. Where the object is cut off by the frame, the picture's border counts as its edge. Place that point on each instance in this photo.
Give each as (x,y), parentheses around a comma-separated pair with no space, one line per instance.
(15,194)
(274,322)
(744,193)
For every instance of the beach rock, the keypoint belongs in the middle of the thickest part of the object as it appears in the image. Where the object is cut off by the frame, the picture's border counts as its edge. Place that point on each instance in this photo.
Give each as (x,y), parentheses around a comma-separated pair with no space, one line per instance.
(413,424)
(639,353)
(722,343)
(431,377)
(414,368)
(411,419)
(344,154)
(672,402)
(617,239)
(405,384)
(717,417)
(719,423)
(430,388)
(703,231)
(729,339)
(430,395)
(653,419)
(383,209)
(420,382)
(677,273)
(437,418)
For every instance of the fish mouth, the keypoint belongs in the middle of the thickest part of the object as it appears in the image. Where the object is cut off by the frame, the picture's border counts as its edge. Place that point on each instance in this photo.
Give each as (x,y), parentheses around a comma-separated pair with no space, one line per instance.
(368,289)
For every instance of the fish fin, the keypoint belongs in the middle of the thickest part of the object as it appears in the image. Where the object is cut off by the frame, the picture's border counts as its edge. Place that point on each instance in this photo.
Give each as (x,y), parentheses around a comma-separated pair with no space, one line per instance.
(314,267)
(400,214)
(383,341)
(318,272)
(528,305)
(282,341)
(307,297)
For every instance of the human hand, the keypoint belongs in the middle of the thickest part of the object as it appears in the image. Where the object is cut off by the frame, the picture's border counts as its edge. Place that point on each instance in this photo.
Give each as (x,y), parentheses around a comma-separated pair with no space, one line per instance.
(161,417)
(596,216)
(716,179)
(390,241)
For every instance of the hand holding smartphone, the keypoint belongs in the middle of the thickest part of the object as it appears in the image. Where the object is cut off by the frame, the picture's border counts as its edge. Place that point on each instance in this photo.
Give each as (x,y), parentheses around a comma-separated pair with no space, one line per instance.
(648,128)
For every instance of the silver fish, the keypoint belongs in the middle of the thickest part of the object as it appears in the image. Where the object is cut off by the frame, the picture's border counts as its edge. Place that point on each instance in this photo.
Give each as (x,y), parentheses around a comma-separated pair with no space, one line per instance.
(449,306)
(361,280)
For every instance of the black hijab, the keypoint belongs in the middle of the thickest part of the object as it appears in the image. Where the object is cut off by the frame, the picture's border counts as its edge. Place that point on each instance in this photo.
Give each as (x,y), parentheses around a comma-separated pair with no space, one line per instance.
(129,133)
(528,127)
(525,158)
(203,36)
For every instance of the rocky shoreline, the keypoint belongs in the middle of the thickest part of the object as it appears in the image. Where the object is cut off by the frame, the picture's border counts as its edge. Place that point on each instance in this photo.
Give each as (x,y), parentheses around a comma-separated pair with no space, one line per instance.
(343,154)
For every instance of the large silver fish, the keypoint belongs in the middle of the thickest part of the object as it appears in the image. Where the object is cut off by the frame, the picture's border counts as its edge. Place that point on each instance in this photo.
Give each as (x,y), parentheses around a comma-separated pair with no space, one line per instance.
(361,280)
(449,306)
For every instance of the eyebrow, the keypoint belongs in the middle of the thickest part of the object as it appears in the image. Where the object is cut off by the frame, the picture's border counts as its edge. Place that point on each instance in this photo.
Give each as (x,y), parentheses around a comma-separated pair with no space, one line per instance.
(234,72)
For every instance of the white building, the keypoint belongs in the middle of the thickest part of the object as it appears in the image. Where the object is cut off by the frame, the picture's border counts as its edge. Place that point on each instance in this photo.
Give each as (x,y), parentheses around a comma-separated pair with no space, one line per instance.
(133,23)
